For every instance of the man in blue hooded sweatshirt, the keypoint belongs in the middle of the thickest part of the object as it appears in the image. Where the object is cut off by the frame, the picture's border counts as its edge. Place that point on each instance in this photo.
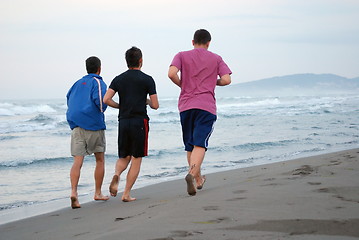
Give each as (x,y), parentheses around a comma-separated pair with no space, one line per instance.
(85,115)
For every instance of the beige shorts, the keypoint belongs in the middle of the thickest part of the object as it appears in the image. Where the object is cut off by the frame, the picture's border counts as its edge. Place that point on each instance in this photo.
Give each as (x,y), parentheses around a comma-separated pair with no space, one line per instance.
(85,142)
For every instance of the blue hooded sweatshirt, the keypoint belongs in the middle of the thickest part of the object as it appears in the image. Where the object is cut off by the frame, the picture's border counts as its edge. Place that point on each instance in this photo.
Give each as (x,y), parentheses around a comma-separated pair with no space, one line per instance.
(85,103)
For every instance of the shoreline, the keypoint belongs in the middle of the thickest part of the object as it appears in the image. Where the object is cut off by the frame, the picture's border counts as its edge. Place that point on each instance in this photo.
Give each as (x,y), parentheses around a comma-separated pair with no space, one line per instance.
(28,211)
(313,197)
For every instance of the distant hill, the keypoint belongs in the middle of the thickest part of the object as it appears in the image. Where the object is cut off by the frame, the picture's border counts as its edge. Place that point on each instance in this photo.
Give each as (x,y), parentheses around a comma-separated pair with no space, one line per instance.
(297,84)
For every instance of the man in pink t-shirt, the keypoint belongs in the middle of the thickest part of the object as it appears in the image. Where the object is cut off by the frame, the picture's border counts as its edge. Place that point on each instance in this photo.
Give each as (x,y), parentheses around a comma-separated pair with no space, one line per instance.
(199,69)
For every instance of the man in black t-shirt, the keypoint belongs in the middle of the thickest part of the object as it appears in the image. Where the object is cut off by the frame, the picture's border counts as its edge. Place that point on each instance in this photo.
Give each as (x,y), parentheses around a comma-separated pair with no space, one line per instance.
(133,87)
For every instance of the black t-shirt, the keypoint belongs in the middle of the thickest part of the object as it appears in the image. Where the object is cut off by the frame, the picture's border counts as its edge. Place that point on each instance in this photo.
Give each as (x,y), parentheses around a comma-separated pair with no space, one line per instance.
(132,87)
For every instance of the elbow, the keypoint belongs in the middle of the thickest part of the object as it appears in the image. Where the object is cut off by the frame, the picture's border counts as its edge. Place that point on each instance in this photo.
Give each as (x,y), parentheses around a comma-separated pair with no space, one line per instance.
(106,101)
(155,107)
(172,73)
(172,76)
(226,80)
(229,81)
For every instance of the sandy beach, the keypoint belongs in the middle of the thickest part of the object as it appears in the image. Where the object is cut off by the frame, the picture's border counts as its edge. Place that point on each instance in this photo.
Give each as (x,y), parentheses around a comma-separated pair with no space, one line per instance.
(308,198)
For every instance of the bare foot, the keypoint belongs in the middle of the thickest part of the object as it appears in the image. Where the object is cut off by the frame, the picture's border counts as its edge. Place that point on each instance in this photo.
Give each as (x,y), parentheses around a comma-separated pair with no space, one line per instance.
(128,199)
(190,185)
(75,202)
(100,197)
(114,186)
(200,186)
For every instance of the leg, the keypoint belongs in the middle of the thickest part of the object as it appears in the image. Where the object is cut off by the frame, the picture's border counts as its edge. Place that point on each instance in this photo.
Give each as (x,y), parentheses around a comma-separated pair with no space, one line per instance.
(189,155)
(195,159)
(98,175)
(131,178)
(189,158)
(74,178)
(121,166)
(197,127)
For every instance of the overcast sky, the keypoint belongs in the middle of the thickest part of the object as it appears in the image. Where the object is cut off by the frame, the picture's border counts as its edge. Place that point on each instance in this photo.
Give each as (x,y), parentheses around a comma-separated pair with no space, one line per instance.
(44,43)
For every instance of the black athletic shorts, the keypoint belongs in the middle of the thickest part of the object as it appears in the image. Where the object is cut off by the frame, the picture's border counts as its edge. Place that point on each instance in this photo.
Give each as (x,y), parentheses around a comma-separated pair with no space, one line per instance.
(133,137)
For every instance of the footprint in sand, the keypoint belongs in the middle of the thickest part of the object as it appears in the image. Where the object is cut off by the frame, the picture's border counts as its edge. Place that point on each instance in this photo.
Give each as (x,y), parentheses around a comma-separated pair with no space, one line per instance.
(349,156)
(270,184)
(293,178)
(339,207)
(334,163)
(239,191)
(80,234)
(210,208)
(300,227)
(322,190)
(348,194)
(236,199)
(303,170)
(269,179)
(168,238)
(314,183)
(218,220)
(181,234)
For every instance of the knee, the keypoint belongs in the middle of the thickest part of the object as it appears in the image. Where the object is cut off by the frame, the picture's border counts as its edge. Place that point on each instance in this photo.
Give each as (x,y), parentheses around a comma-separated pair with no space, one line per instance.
(100,162)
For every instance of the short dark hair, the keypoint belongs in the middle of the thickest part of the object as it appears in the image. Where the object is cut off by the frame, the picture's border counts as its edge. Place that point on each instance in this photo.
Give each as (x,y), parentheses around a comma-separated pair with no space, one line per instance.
(133,56)
(93,64)
(201,36)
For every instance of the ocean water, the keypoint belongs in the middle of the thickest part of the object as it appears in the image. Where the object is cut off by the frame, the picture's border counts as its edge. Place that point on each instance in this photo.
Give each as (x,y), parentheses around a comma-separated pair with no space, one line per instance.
(35,142)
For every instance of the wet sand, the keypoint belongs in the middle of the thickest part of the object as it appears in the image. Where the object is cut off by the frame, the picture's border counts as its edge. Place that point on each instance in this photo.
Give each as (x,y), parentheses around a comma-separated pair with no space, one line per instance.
(308,198)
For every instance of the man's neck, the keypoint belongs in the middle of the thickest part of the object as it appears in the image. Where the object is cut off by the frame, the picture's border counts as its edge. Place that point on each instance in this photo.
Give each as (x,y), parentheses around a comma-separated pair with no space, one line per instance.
(200,46)
(196,45)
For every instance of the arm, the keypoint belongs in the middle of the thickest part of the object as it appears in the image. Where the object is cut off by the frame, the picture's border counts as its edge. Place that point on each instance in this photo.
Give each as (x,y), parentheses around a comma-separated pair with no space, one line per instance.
(224,80)
(153,102)
(173,75)
(107,99)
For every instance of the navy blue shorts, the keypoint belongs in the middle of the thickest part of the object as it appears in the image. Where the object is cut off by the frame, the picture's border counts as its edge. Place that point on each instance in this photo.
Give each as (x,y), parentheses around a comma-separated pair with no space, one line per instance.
(133,137)
(197,127)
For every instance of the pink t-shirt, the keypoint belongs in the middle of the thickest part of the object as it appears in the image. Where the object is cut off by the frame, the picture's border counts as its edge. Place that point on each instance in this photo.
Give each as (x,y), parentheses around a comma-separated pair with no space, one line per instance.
(200,69)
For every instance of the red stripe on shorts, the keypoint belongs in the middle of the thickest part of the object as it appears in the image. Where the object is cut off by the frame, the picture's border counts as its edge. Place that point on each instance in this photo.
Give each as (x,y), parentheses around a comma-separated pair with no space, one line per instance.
(145,150)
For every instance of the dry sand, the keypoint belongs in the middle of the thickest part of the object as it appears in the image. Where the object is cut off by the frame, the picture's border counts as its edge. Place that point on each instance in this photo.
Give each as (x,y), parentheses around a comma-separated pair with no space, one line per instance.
(308,198)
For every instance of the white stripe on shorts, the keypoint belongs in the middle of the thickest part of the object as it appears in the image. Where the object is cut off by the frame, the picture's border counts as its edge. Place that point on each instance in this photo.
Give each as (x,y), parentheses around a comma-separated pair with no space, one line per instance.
(209,134)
